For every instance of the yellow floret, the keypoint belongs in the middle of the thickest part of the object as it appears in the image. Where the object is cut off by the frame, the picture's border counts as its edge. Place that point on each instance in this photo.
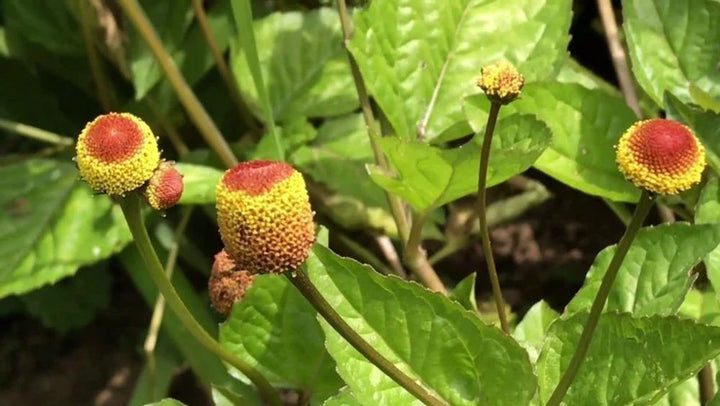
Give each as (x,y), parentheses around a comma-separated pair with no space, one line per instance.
(501,82)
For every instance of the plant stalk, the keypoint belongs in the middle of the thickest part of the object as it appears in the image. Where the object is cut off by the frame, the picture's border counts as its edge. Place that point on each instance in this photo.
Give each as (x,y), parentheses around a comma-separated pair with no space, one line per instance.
(131,205)
(194,108)
(482,216)
(36,133)
(303,283)
(641,211)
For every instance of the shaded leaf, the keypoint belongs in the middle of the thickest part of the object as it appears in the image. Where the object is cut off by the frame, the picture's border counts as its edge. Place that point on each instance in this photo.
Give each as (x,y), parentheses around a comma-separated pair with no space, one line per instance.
(433,339)
(464,293)
(419,60)
(654,277)
(708,211)
(531,331)
(199,183)
(44,237)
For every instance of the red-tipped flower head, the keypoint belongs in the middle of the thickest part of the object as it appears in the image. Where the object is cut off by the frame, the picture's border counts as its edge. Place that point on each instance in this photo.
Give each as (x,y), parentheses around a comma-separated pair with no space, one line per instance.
(165,187)
(265,217)
(116,153)
(227,284)
(661,156)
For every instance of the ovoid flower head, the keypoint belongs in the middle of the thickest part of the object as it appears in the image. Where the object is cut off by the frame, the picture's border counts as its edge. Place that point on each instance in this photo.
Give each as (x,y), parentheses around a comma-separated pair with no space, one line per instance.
(165,187)
(265,218)
(501,82)
(116,153)
(227,283)
(661,156)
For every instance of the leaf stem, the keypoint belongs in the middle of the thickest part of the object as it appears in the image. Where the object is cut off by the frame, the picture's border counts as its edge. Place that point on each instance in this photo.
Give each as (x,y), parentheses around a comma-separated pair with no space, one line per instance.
(36,133)
(131,209)
(303,283)
(194,108)
(641,211)
(706,382)
(482,216)
(242,11)
(415,256)
(222,67)
(102,84)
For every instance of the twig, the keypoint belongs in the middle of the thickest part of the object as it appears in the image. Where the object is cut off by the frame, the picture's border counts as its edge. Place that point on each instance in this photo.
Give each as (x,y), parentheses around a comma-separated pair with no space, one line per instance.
(391,255)
(222,66)
(364,254)
(36,133)
(102,84)
(194,108)
(707,384)
(619,58)
(180,146)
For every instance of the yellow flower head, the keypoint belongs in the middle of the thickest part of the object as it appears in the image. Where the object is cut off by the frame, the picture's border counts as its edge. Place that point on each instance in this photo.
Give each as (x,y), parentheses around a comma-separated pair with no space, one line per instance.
(501,82)
(265,217)
(165,187)
(227,283)
(116,153)
(661,156)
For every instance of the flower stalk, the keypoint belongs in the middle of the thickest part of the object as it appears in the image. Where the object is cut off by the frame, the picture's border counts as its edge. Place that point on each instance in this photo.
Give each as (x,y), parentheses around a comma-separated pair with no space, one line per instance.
(641,211)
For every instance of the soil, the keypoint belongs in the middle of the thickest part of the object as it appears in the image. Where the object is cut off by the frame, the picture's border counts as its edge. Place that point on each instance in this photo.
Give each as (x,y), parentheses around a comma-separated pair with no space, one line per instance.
(542,255)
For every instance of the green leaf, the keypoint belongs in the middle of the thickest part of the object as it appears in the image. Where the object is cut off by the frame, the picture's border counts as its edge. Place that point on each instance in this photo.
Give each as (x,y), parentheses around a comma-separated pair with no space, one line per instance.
(585,123)
(344,398)
(654,277)
(171,21)
(673,44)
(708,211)
(199,183)
(434,340)
(154,385)
(464,293)
(167,402)
(704,100)
(686,393)
(273,328)
(420,60)
(429,177)
(573,72)
(47,24)
(531,331)
(52,225)
(631,361)
(302,61)
(73,302)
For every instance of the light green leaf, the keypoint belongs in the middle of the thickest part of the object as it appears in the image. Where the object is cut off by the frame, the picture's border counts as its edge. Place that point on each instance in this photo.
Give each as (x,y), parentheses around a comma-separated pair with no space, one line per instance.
(654,277)
(273,328)
(585,123)
(199,183)
(464,293)
(673,43)
(344,398)
(434,340)
(708,211)
(303,64)
(704,100)
(52,225)
(686,393)
(428,177)
(420,60)
(631,361)
(73,302)
(531,331)
(573,72)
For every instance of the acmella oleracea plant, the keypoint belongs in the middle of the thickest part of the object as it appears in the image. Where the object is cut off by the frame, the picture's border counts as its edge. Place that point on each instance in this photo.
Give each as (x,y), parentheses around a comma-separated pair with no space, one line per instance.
(658,156)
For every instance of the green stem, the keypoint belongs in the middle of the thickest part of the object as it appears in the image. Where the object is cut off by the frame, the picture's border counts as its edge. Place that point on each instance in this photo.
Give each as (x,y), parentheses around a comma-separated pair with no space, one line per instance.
(194,108)
(641,211)
(482,216)
(303,283)
(36,133)
(242,11)
(417,259)
(131,209)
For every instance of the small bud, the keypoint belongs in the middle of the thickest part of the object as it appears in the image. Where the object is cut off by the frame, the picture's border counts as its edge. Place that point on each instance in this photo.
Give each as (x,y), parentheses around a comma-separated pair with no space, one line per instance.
(227,284)
(661,156)
(265,217)
(165,186)
(501,82)
(116,153)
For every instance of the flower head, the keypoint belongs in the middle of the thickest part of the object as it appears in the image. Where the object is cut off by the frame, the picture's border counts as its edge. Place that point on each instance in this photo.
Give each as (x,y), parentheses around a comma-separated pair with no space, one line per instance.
(661,156)
(227,283)
(501,82)
(165,187)
(116,153)
(265,217)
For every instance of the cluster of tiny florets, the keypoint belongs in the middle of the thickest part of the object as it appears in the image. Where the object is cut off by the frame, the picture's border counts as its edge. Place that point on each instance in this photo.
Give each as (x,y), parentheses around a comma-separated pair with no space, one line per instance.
(165,186)
(265,218)
(116,153)
(661,156)
(501,82)
(227,284)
